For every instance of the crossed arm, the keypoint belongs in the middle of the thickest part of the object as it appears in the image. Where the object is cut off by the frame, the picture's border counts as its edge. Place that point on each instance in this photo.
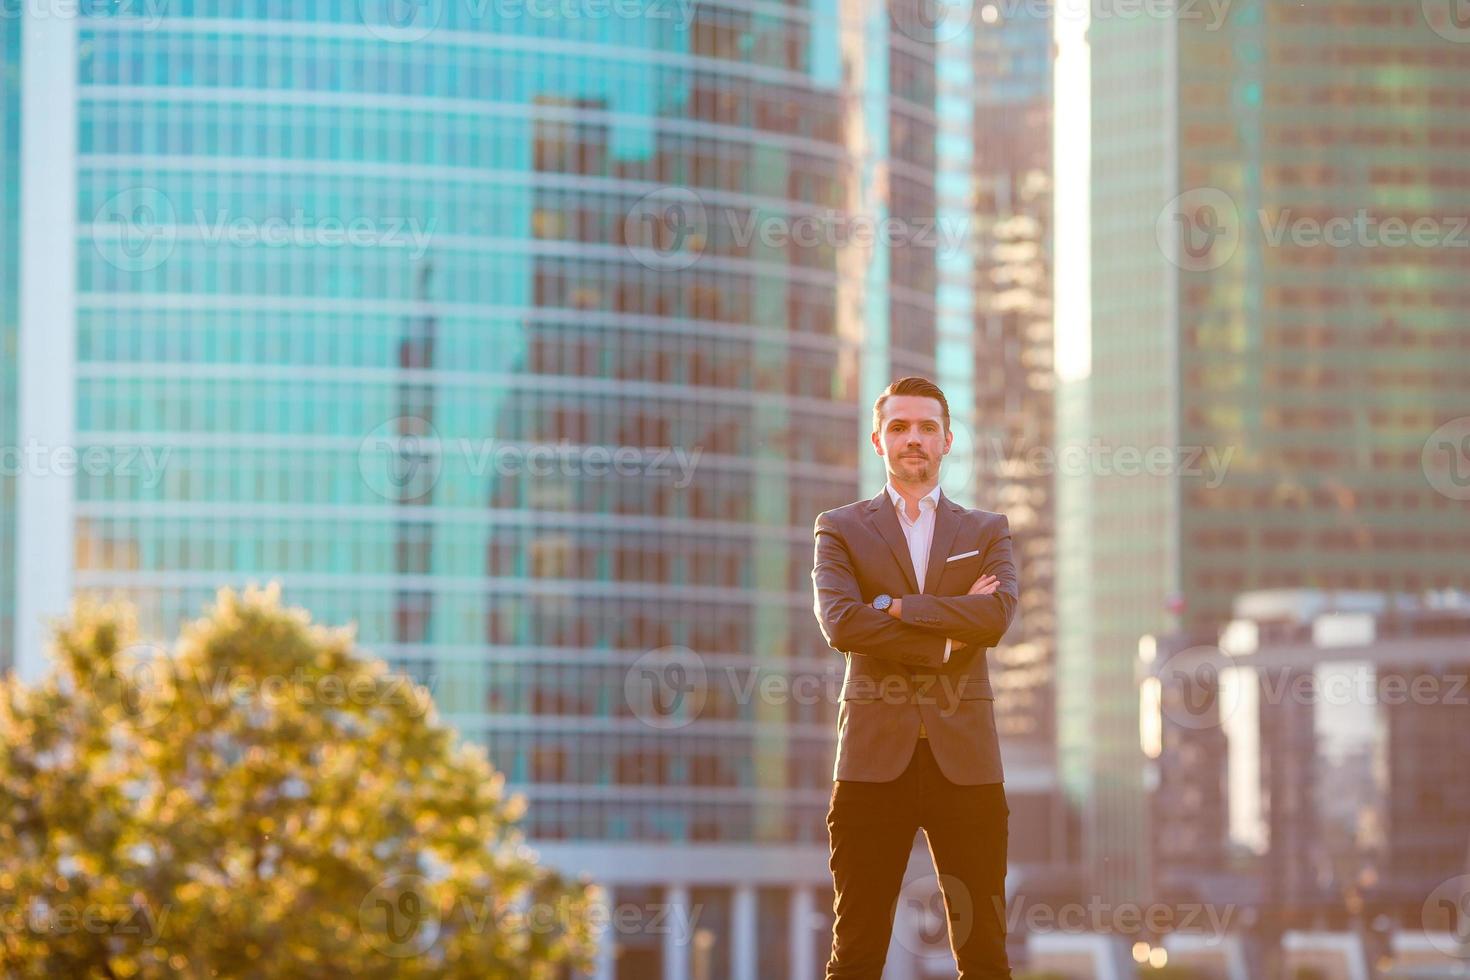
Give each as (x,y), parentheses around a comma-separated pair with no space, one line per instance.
(850,624)
(918,639)
(979,619)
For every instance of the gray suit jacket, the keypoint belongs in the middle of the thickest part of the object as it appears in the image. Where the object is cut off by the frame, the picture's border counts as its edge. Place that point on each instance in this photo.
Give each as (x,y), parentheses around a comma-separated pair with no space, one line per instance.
(895,674)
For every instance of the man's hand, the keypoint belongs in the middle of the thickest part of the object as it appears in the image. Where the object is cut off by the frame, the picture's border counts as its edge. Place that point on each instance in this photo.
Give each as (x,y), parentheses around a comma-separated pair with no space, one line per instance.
(984,585)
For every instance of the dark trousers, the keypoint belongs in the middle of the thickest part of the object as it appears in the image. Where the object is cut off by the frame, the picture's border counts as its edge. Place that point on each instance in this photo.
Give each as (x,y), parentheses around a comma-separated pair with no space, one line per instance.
(872,828)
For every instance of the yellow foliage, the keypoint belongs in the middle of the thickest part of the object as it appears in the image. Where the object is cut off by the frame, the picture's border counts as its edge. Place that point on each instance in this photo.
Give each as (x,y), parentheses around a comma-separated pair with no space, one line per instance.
(262,800)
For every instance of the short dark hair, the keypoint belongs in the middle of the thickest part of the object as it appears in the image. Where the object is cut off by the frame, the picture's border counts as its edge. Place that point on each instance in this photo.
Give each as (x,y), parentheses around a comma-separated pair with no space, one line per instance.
(912,385)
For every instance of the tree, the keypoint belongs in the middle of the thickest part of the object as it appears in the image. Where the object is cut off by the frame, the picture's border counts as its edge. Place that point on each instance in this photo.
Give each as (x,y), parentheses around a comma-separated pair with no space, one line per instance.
(263,802)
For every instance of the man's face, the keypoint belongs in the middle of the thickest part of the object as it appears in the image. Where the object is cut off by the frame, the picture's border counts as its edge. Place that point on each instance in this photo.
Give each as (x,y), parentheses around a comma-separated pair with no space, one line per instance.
(913,440)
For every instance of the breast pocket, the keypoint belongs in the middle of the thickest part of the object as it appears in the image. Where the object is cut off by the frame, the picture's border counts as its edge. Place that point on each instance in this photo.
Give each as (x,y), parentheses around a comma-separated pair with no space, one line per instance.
(963,565)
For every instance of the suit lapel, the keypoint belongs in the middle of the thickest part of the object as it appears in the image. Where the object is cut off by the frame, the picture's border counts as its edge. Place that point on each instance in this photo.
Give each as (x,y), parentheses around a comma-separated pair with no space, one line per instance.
(946,526)
(883,517)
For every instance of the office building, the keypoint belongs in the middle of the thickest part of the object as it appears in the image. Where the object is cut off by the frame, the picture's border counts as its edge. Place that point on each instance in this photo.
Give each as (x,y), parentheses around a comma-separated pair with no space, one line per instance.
(1333,727)
(1253,384)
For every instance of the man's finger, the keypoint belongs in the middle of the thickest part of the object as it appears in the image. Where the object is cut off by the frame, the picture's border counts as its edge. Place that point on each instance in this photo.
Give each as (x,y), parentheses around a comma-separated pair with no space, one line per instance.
(982,582)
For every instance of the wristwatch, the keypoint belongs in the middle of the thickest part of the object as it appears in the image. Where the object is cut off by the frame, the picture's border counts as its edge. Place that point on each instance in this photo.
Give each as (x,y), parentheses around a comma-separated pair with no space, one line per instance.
(882,602)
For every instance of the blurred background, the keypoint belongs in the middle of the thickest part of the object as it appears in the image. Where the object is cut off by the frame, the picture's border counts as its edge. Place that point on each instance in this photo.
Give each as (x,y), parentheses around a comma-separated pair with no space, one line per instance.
(532,335)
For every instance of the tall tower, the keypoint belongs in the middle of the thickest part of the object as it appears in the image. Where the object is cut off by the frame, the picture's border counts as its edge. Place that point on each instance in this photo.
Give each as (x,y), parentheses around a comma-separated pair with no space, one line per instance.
(498,334)
(10,32)
(1012,361)
(1264,329)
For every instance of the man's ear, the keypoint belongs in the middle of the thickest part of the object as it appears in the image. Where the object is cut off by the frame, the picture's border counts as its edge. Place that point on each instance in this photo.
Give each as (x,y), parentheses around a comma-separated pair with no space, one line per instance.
(877,443)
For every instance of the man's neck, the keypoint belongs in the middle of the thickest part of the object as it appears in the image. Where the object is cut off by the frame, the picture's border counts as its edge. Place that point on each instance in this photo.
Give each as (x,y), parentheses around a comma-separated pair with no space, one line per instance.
(912,493)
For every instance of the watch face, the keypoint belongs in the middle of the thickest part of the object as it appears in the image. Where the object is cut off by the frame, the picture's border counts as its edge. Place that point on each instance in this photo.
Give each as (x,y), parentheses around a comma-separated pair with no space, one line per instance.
(883,602)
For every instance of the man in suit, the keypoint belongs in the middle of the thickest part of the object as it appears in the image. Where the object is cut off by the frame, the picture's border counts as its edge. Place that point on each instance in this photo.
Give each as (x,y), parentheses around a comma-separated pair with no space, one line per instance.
(913,589)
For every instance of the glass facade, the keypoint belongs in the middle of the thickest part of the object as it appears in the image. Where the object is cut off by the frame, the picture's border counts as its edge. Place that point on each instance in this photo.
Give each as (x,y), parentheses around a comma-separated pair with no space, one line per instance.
(362,420)
(1129,398)
(1012,365)
(10,34)
(1012,353)
(1314,371)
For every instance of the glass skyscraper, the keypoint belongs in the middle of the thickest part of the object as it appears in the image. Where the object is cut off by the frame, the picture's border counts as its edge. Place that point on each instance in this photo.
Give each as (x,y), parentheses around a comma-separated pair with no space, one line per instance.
(492,329)
(10,463)
(1293,380)
(1013,357)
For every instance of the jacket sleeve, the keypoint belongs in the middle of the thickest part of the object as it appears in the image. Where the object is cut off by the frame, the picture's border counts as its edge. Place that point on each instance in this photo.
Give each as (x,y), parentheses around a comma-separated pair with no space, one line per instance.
(848,623)
(979,620)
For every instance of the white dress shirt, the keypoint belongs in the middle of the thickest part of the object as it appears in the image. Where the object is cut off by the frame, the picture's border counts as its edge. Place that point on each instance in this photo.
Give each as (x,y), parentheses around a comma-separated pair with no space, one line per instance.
(919,532)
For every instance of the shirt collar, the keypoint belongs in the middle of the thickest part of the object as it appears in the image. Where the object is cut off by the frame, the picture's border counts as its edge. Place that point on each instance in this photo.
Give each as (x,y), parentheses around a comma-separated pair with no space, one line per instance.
(931,498)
